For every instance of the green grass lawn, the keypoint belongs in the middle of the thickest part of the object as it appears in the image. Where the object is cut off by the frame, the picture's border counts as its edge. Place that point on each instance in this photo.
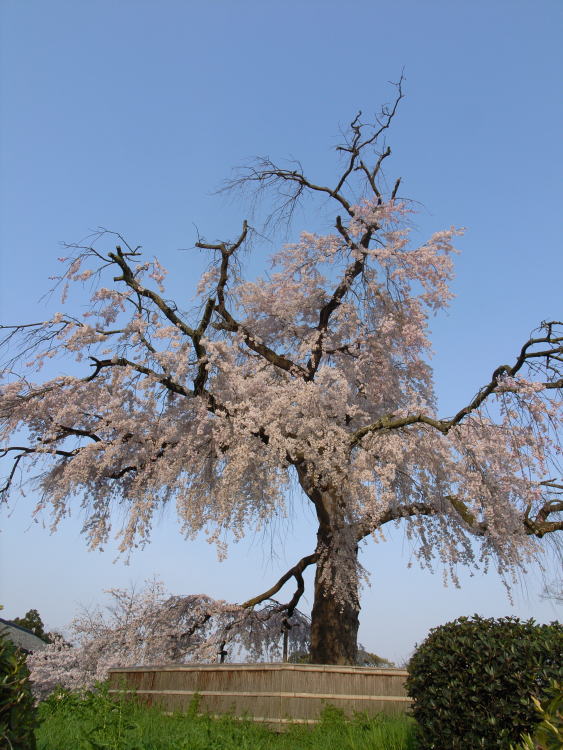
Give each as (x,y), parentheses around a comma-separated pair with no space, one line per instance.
(96,722)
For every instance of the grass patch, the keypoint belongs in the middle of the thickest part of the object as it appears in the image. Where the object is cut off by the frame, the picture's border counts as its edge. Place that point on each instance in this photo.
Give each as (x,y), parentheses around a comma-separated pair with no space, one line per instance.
(94,721)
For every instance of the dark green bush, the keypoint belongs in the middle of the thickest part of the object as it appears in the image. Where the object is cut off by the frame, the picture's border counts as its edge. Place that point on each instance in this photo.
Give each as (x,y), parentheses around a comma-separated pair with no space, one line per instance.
(18,716)
(472,680)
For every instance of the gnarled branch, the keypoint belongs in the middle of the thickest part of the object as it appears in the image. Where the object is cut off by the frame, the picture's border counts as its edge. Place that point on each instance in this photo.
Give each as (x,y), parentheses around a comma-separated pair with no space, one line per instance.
(538,526)
(527,354)
(295,572)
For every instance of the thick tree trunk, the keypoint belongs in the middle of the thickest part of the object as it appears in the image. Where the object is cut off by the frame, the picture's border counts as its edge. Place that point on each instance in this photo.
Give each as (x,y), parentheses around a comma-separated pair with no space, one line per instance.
(336,607)
(334,630)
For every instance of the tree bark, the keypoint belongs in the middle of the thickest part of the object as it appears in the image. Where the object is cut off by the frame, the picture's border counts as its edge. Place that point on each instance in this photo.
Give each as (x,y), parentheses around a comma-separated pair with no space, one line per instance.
(336,606)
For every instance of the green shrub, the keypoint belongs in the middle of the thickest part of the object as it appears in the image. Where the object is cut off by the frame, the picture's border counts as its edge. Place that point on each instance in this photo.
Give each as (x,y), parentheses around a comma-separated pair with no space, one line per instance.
(548,734)
(472,680)
(18,717)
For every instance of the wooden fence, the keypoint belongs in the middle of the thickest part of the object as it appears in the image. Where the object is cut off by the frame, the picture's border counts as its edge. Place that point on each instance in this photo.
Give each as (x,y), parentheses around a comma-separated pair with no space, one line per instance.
(272,693)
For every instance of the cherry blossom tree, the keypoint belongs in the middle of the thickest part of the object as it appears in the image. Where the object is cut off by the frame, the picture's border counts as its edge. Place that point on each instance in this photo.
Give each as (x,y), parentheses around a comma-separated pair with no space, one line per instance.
(151,627)
(316,374)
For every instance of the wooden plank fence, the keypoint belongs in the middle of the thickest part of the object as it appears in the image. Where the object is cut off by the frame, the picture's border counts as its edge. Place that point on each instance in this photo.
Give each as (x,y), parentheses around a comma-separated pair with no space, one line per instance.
(272,693)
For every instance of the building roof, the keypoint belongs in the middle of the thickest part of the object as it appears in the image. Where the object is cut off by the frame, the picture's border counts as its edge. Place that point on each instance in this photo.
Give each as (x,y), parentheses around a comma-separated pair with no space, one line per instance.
(21,637)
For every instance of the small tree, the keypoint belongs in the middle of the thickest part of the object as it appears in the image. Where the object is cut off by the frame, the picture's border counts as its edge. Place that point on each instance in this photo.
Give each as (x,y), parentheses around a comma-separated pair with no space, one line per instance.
(317,374)
(32,621)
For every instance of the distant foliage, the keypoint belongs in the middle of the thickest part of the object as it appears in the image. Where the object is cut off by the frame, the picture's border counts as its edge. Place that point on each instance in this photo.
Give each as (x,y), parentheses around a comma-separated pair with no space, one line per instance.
(369,659)
(152,627)
(32,621)
(472,681)
(17,711)
(365,659)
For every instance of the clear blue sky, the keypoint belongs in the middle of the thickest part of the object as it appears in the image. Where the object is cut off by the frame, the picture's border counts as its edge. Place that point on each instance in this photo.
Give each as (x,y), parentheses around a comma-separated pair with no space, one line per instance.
(129,113)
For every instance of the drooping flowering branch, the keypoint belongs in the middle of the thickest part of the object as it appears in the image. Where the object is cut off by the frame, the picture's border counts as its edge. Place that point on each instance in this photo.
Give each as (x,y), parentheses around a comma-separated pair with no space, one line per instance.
(152,627)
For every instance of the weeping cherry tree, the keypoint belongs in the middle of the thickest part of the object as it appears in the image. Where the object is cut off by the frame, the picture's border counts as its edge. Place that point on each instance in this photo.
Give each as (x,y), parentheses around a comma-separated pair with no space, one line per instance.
(317,374)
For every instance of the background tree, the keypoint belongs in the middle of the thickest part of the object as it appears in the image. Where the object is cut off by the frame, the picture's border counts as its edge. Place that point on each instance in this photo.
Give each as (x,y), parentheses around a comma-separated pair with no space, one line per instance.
(364,659)
(317,374)
(369,659)
(32,621)
(554,591)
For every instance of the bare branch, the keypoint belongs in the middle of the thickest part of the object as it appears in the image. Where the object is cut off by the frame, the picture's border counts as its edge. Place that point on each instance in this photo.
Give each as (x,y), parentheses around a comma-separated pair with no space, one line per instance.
(356,143)
(25,450)
(291,184)
(294,572)
(267,176)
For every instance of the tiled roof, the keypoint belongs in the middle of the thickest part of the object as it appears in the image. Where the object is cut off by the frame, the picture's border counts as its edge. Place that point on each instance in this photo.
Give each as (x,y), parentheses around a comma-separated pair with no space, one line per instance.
(23,638)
